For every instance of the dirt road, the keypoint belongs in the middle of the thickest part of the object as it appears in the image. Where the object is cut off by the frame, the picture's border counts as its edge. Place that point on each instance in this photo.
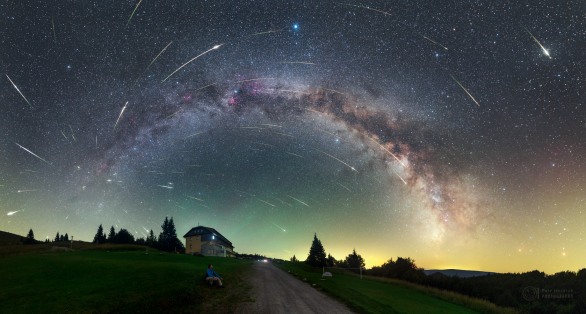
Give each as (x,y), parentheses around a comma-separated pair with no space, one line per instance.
(278,292)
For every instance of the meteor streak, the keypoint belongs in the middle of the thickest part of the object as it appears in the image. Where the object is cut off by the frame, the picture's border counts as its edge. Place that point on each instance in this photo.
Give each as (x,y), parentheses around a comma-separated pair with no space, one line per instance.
(186,63)
(72,133)
(195,198)
(399,160)
(295,155)
(257,79)
(19,91)
(344,186)
(34,154)
(156,58)
(296,62)
(243,192)
(54,35)
(278,199)
(64,135)
(288,90)
(174,114)
(192,135)
(279,227)
(159,54)
(120,116)
(298,200)
(266,202)
(265,33)
(358,6)
(283,134)
(12,213)
(336,159)
(465,90)
(207,86)
(133,12)
(431,40)
(331,90)
(398,176)
(537,41)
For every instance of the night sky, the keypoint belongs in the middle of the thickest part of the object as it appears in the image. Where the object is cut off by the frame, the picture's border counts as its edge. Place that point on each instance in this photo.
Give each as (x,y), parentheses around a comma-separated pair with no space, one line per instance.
(451,133)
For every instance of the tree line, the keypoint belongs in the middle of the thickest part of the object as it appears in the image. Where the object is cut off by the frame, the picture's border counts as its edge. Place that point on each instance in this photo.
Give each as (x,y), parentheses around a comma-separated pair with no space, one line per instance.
(562,292)
(166,241)
(30,238)
(317,257)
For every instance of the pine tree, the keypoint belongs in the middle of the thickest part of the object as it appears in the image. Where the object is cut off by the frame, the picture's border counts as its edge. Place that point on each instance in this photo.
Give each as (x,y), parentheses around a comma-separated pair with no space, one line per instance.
(61,238)
(112,235)
(66,237)
(317,254)
(152,240)
(294,259)
(57,238)
(354,260)
(30,238)
(100,237)
(163,236)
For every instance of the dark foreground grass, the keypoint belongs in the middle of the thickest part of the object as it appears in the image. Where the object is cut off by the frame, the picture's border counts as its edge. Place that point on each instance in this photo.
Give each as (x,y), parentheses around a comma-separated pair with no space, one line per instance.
(118,282)
(369,295)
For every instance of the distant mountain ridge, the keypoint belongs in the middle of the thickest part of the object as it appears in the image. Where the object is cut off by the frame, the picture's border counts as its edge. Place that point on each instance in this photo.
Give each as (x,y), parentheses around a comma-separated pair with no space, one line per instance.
(459,272)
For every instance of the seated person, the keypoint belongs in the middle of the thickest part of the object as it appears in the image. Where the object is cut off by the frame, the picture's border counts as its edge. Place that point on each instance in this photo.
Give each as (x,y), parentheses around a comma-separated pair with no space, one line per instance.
(213,276)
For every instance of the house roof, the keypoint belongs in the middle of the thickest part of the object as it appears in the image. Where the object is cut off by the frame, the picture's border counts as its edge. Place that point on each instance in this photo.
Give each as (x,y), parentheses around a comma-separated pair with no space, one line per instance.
(193,232)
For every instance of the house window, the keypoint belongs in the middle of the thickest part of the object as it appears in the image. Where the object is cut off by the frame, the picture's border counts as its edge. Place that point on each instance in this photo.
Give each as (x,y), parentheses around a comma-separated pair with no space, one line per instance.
(190,238)
(190,247)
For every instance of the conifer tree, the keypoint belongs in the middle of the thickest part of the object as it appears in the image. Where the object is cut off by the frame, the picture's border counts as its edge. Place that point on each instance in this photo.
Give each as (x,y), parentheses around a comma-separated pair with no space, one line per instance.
(163,243)
(30,237)
(112,235)
(317,254)
(61,238)
(100,237)
(66,237)
(57,238)
(152,240)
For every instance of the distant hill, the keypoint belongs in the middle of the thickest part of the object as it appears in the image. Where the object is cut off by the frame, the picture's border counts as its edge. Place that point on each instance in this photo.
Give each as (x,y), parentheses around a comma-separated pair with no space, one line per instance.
(459,272)
(7,238)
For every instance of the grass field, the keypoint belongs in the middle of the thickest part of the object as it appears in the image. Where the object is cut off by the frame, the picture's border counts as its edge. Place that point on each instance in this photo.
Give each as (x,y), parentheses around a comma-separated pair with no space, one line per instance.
(373,295)
(118,282)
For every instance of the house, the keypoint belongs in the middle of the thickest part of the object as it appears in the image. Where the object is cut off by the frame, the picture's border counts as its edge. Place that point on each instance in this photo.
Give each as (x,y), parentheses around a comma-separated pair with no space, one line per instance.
(208,242)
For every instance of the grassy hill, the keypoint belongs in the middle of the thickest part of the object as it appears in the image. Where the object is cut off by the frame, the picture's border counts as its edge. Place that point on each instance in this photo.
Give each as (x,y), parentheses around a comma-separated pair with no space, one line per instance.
(7,238)
(118,282)
(377,295)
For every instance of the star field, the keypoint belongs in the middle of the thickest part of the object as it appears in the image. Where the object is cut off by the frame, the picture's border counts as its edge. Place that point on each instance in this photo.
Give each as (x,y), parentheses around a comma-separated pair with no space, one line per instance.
(452,133)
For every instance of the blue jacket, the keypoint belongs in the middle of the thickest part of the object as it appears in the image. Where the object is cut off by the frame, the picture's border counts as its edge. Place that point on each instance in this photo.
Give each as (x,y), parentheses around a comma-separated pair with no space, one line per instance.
(212,273)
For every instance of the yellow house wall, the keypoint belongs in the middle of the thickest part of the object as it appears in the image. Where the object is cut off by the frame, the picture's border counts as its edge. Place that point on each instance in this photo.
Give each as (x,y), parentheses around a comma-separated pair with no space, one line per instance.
(195,242)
